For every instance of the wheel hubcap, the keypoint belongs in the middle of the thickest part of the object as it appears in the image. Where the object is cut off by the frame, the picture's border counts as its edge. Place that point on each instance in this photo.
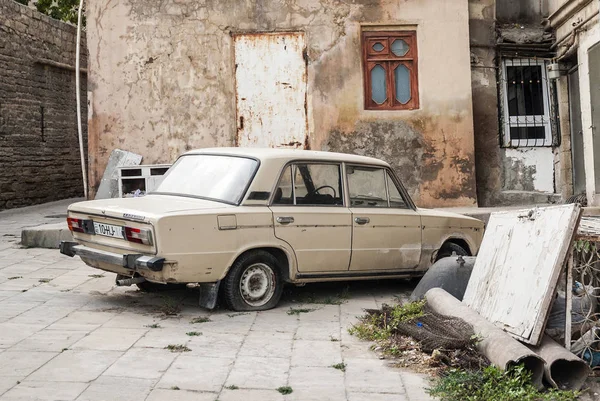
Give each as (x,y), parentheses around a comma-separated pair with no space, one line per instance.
(257,284)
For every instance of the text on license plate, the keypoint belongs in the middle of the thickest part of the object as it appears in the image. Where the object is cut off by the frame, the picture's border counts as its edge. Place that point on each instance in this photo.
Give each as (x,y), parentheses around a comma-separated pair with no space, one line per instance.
(108,230)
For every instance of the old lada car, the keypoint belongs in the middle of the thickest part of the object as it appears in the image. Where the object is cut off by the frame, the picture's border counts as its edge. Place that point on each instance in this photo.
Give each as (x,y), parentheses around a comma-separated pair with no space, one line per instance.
(240,223)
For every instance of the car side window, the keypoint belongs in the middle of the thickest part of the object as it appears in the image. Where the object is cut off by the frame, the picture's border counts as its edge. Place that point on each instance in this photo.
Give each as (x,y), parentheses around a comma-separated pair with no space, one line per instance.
(284,193)
(396,199)
(367,186)
(310,184)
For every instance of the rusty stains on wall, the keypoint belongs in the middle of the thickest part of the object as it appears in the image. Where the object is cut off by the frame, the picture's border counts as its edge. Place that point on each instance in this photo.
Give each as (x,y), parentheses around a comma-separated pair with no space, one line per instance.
(163,82)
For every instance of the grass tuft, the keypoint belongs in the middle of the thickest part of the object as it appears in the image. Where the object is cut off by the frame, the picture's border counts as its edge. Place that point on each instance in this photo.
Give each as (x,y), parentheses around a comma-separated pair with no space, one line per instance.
(340,366)
(154,326)
(201,319)
(44,280)
(285,390)
(175,388)
(193,333)
(492,383)
(232,387)
(177,348)
(15,277)
(298,311)
(96,275)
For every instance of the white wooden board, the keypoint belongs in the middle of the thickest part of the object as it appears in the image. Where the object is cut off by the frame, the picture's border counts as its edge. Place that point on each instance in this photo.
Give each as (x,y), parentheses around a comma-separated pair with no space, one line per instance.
(518,265)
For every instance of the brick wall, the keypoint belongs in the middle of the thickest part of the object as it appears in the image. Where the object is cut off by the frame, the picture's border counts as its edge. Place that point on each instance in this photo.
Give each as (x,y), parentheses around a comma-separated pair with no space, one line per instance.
(39,151)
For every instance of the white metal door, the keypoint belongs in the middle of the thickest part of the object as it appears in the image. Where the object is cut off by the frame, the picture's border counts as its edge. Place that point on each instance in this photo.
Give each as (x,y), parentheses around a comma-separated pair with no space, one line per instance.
(270,90)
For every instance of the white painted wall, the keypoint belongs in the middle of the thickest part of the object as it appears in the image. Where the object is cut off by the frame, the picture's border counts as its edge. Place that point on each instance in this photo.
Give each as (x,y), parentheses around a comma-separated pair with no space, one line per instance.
(543,161)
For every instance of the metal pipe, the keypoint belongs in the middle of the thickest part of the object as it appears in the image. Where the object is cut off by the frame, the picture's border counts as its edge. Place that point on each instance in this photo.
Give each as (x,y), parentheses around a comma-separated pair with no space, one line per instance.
(126,282)
(566,36)
(78,97)
(501,349)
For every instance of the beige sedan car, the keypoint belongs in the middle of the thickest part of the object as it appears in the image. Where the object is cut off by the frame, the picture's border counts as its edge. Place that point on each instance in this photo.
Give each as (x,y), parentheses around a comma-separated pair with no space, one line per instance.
(242,222)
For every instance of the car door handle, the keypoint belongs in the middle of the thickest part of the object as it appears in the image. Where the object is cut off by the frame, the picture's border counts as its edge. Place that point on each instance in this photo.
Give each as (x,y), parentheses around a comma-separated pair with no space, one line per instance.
(361,220)
(285,219)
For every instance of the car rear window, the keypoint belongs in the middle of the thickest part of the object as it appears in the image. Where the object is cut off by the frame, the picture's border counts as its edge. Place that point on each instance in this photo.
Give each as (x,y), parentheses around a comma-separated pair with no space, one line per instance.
(215,177)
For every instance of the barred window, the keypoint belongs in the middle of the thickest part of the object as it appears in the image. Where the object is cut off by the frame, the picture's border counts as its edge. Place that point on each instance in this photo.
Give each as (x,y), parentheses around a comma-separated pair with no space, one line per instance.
(526,103)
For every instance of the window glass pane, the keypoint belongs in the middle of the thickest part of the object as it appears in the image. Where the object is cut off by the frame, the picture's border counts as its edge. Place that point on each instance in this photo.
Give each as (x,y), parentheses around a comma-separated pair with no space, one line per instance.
(402,84)
(222,178)
(378,85)
(378,47)
(283,192)
(399,47)
(527,133)
(367,187)
(318,184)
(524,90)
(396,199)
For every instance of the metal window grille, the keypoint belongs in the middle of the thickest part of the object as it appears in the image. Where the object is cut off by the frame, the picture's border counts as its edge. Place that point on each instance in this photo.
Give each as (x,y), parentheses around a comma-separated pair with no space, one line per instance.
(583,277)
(525,103)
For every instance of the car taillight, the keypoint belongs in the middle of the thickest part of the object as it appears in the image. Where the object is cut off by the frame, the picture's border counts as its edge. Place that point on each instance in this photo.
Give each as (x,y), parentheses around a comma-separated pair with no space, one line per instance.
(75,225)
(138,235)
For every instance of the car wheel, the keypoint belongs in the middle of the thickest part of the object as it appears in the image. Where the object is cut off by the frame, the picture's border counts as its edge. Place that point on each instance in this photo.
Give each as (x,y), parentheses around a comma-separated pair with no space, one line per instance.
(253,283)
(448,249)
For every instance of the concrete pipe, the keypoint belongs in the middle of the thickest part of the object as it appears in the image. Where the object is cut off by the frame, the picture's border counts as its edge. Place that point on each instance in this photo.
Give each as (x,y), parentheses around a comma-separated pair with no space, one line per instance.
(563,369)
(501,349)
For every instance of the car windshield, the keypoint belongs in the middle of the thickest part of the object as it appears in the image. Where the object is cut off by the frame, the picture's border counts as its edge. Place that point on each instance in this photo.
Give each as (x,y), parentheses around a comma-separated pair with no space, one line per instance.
(214,177)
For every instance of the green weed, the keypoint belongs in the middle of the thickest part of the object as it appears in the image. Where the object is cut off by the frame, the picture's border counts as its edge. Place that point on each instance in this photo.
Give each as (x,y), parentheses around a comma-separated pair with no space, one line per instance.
(340,366)
(177,348)
(298,311)
(492,383)
(201,319)
(285,390)
(193,333)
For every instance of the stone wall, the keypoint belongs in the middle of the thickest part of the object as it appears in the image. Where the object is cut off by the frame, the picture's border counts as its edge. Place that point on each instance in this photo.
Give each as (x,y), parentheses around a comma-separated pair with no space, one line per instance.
(39,151)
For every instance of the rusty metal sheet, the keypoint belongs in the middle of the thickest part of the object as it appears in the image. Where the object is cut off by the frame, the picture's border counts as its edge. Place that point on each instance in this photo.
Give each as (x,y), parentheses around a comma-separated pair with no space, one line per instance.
(271,90)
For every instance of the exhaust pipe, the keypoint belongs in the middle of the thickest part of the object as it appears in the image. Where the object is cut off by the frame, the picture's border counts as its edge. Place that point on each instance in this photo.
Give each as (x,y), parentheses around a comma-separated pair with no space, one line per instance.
(126,282)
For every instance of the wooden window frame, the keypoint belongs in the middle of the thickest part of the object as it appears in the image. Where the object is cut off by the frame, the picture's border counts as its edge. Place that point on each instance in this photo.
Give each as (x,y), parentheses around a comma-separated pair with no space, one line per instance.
(389,61)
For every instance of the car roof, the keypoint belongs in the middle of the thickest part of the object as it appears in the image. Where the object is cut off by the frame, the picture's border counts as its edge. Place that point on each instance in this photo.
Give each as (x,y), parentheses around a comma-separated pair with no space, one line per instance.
(290,154)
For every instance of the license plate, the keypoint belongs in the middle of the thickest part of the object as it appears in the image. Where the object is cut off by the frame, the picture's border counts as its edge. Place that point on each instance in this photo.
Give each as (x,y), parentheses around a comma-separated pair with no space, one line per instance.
(108,230)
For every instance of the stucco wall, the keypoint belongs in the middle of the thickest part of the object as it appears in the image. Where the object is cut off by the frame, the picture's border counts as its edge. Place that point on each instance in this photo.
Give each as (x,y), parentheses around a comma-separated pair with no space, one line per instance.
(39,149)
(161,82)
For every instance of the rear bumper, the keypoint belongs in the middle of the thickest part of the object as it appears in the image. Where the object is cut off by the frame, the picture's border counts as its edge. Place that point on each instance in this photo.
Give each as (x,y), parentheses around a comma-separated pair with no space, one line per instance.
(131,262)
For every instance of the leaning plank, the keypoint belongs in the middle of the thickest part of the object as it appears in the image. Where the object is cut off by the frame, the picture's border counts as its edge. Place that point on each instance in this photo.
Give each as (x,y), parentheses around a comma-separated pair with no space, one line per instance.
(518,266)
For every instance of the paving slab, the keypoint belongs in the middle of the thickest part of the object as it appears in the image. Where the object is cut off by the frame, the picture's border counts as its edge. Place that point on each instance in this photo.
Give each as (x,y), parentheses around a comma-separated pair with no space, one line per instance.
(44,391)
(259,373)
(159,394)
(142,363)
(23,363)
(197,373)
(116,388)
(75,366)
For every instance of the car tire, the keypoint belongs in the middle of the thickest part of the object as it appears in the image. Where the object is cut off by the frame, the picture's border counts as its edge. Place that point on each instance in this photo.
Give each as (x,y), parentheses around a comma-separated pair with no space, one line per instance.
(148,286)
(254,283)
(448,249)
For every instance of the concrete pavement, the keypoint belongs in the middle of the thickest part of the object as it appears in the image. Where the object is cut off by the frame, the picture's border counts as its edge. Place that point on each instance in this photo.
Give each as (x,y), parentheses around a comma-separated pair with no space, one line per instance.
(67,333)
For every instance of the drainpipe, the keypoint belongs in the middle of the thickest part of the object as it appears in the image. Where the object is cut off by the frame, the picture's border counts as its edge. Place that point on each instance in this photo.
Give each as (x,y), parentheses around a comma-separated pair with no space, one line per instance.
(78,97)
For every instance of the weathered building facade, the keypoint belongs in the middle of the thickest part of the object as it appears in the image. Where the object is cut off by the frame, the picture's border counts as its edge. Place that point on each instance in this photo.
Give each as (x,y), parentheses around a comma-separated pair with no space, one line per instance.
(577,61)
(456,95)
(384,78)
(39,151)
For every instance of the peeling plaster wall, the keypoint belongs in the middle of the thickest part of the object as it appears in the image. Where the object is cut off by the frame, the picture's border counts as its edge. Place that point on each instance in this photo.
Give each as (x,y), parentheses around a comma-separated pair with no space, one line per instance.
(161,82)
(529,169)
